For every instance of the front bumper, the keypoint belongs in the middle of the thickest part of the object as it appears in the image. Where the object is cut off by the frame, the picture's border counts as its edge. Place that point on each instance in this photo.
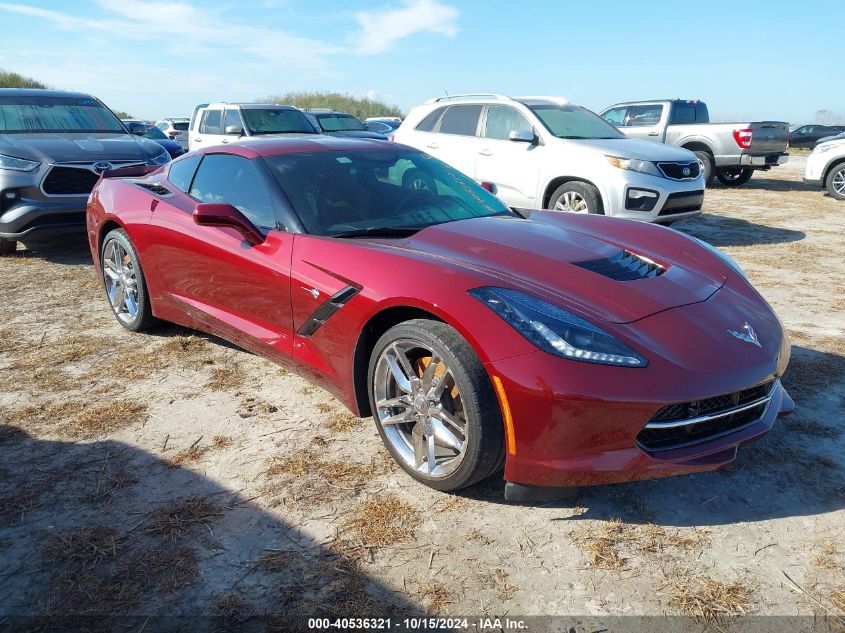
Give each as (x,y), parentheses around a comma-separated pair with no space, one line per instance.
(32,218)
(577,424)
(676,199)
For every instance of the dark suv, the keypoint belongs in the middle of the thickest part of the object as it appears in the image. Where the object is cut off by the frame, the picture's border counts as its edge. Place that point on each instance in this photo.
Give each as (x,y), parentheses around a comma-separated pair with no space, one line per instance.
(53,147)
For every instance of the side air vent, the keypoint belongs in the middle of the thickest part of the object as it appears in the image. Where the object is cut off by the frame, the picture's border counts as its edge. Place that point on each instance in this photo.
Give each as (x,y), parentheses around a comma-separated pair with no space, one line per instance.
(155,188)
(624,266)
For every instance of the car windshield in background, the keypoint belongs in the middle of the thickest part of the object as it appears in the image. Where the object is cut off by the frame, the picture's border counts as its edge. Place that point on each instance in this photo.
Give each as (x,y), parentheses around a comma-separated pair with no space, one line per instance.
(155,133)
(182,126)
(378,193)
(28,114)
(339,123)
(276,121)
(566,121)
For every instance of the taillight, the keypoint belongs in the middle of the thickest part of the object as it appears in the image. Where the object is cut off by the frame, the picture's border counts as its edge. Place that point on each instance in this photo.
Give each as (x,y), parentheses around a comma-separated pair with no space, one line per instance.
(743,138)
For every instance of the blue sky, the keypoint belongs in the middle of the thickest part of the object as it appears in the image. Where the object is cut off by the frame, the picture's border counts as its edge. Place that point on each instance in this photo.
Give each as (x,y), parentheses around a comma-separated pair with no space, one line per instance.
(775,59)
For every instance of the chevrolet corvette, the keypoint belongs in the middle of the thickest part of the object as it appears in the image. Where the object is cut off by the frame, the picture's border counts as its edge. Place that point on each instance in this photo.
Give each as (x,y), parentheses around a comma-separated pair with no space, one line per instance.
(563,349)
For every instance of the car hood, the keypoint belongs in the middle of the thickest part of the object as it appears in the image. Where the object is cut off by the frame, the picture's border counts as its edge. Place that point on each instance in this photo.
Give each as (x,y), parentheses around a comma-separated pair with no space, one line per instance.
(357,134)
(64,147)
(641,150)
(541,255)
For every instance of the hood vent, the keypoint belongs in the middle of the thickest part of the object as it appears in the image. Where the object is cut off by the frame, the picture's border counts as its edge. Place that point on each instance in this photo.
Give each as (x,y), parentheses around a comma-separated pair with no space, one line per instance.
(624,266)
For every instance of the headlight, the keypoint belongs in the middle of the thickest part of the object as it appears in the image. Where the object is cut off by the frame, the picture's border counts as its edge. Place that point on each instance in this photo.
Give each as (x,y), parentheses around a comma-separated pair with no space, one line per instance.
(161,159)
(723,256)
(555,330)
(17,164)
(824,147)
(633,164)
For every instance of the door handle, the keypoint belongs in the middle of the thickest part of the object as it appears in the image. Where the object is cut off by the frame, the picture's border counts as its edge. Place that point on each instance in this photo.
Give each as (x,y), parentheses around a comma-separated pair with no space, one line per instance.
(486,152)
(224,141)
(198,140)
(432,146)
(654,133)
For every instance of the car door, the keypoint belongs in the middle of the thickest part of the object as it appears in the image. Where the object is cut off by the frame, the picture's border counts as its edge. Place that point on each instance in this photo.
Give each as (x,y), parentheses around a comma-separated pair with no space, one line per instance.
(455,139)
(210,129)
(512,166)
(645,121)
(212,274)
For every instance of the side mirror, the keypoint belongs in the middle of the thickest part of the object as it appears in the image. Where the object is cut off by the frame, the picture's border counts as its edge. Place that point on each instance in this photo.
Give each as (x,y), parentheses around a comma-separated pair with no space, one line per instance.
(138,129)
(213,214)
(234,130)
(522,136)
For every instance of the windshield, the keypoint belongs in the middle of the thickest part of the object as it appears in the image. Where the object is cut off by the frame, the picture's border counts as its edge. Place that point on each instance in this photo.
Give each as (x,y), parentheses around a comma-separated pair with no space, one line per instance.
(182,126)
(569,121)
(30,114)
(345,192)
(275,121)
(339,122)
(155,133)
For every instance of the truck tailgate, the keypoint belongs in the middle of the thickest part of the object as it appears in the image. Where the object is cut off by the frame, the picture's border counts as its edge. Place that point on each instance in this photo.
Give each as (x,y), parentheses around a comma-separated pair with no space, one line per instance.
(768,136)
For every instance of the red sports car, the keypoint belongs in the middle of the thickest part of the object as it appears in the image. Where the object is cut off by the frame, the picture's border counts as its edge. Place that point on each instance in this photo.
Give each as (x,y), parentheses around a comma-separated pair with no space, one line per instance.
(572,349)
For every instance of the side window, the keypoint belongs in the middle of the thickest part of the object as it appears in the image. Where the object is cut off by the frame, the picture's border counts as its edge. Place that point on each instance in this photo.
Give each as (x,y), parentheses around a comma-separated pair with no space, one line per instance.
(181,172)
(211,122)
(644,115)
(616,116)
(682,114)
(462,120)
(162,126)
(232,117)
(502,120)
(234,180)
(428,123)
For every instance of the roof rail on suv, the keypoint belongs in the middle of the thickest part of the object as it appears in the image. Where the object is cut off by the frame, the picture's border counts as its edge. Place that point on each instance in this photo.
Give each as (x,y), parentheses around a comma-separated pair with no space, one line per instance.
(488,95)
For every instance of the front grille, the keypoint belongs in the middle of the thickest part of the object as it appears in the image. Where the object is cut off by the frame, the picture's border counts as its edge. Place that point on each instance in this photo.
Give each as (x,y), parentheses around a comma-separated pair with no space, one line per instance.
(686,423)
(69,181)
(675,171)
(624,266)
(682,202)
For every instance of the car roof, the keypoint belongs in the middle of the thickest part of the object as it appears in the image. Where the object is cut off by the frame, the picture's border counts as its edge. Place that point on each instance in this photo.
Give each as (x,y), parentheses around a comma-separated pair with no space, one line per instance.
(298,144)
(251,106)
(39,92)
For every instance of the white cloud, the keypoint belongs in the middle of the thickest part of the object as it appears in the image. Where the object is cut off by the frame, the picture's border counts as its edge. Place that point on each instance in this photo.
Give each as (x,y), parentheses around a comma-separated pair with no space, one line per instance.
(380,29)
(373,95)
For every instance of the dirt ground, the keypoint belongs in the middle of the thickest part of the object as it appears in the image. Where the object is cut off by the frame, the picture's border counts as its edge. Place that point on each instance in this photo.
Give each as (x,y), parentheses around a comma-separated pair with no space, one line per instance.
(171,472)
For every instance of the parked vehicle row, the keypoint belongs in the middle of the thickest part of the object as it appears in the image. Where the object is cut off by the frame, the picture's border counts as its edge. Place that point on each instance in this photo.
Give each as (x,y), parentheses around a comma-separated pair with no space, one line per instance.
(811,135)
(567,349)
(546,153)
(730,152)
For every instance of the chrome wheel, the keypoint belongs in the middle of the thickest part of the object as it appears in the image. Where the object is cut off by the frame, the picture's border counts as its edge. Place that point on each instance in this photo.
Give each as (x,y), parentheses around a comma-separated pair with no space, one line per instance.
(838,182)
(121,281)
(419,406)
(573,202)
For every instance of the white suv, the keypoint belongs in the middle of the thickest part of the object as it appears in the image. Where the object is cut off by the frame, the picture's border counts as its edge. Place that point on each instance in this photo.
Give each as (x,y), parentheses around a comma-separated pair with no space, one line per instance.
(221,123)
(543,152)
(175,129)
(826,167)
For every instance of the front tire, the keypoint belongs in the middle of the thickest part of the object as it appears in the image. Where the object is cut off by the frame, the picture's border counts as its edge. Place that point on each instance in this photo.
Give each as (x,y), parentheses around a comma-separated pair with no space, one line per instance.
(126,287)
(708,166)
(734,176)
(576,197)
(835,182)
(7,247)
(434,405)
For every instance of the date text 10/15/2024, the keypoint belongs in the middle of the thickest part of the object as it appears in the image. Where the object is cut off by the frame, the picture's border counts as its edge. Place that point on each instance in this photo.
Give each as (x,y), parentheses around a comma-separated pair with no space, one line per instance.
(477,624)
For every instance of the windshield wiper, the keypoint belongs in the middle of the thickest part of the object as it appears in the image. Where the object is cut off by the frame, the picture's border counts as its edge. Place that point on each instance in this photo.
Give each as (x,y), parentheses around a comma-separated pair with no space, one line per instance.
(382,231)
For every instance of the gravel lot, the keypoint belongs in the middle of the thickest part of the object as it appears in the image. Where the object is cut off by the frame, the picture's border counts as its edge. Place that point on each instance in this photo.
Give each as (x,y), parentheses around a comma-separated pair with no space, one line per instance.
(174,473)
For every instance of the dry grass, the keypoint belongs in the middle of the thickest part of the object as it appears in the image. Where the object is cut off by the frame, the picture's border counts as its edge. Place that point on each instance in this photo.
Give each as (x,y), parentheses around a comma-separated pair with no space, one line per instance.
(317,480)
(837,598)
(165,570)
(708,600)
(183,517)
(604,546)
(86,546)
(252,407)
(383,520)
(344,423)
(323,407)
(809,373)
(187,351)
(226,378)
(105,418)
(436,596)
(233,606)
(826,558)
(506,590)
(221,441)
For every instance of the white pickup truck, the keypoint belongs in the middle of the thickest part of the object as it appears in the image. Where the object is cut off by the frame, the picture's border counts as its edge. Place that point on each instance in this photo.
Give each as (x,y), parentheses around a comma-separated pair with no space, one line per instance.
(728,151)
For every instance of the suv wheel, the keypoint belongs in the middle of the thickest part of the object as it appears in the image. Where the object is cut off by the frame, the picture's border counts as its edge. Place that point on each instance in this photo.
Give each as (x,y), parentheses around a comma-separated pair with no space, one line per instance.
(835,182)
(7,247)
(576,197)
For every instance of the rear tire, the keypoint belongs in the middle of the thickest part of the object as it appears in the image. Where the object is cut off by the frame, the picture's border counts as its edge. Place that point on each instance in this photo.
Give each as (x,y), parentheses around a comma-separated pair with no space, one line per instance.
(734,176)
(126,287)
(7,247)
(708,166)
(576,196)
(399,370)
(835,182)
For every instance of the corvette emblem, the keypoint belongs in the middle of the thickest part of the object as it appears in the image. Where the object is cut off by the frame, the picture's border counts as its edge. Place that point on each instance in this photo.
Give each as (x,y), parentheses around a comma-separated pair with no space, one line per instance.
(748,335)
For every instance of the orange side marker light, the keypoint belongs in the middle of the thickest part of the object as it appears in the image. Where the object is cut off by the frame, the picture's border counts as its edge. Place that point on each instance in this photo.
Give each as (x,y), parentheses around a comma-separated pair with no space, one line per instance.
(510,439)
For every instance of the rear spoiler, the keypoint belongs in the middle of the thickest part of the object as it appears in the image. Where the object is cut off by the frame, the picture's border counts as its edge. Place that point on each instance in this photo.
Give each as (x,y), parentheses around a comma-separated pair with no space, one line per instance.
(130,172)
